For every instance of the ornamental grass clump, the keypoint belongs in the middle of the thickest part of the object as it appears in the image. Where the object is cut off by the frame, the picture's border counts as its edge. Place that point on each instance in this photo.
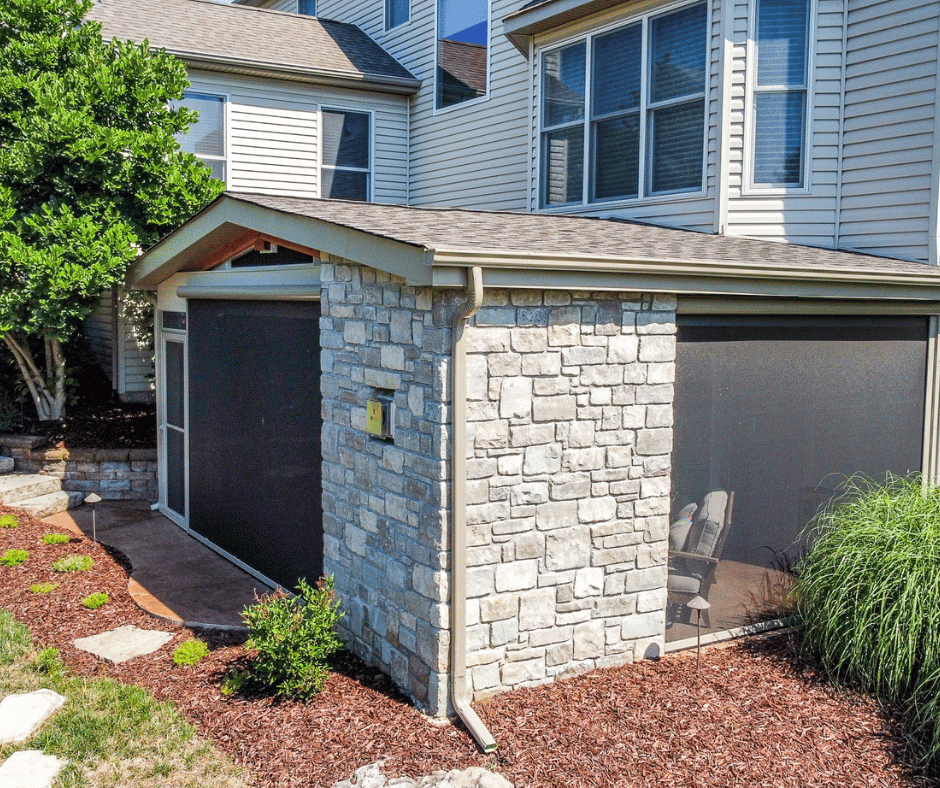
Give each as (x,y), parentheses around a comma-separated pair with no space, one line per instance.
(868,597)
(293,637)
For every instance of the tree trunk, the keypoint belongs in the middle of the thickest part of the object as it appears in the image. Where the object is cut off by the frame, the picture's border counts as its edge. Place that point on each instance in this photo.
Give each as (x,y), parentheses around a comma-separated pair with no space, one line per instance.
(47,390)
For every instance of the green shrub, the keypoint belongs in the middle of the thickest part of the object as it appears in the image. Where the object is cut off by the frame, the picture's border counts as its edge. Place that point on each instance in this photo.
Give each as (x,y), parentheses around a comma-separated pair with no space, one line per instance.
(868,597)
(293,638)
(234,682)
(73,563)
(13,557)
(190,652)
(56,538)
(43,588)
(96,600)
(9,521)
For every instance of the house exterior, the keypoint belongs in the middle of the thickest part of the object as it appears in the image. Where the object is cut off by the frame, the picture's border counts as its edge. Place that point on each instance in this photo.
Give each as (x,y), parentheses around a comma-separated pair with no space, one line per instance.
(651,278)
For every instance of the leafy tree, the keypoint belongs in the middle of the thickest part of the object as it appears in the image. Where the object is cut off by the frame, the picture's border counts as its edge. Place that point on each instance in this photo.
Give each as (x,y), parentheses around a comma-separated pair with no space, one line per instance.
(90,173)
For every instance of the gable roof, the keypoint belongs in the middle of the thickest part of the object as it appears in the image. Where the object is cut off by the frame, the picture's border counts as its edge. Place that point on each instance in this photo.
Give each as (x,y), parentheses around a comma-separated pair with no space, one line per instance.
(435,246)
(242,39)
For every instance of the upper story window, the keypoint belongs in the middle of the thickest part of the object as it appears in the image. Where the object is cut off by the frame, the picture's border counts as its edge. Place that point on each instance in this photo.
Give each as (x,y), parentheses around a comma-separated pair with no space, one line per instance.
(206,137)
(780,92)
(396,13)
(463,28)
(623,112)
(346,155)
(307,7)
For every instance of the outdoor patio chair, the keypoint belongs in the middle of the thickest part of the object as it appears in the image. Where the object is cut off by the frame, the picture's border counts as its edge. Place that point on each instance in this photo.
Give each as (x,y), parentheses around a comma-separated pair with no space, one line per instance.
(696,540)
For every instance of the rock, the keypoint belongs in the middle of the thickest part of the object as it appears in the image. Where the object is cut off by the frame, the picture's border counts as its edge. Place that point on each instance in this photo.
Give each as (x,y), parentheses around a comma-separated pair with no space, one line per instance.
(475,777)
(124,643)
(30,769)
(21,715)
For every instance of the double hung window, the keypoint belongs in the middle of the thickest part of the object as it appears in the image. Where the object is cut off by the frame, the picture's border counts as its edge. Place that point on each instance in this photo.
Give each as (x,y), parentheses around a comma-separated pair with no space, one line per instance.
(623,112)
(396,13)
(463,28)
(206,137)
(307,7)
(780,93)
(346,155)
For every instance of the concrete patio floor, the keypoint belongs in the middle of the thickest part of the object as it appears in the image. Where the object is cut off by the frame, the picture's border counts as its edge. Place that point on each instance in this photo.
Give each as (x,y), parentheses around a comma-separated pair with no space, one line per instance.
(174,576)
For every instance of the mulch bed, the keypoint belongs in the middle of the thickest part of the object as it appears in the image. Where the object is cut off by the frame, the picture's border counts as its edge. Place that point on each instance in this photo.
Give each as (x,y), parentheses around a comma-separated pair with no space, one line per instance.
(102,425)
(750,716)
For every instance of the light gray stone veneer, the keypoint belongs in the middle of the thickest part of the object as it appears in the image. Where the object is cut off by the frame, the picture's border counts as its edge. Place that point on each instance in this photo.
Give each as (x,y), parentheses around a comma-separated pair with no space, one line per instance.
(569,409)
(570,434)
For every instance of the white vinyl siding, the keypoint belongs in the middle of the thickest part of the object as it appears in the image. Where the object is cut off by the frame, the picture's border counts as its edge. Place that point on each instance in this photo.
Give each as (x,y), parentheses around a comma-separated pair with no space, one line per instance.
(473,155)
(273,133)
(290,6)
(889,136)
(99,330)
(128,366)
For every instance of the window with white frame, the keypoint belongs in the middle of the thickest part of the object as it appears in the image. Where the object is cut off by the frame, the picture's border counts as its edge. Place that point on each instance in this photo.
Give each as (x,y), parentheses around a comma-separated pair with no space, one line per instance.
(463,28)
(307,7)
(781,42)
(345,155)
(623,111)
(396,13)
(206,137)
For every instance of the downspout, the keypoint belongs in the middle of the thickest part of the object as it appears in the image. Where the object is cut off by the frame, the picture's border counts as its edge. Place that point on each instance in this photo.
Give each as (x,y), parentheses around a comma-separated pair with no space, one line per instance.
(458,486)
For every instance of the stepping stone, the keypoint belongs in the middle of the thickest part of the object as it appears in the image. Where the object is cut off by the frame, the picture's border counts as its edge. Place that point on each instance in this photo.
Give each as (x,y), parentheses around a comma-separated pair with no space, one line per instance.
(21,715)
(124,643)
(30,769)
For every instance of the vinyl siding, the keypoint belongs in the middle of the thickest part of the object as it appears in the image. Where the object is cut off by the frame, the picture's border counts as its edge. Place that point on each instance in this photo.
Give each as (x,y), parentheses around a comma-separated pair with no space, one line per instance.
(470,155)
(889,136)
(99,332)
(272,134)
(807,215)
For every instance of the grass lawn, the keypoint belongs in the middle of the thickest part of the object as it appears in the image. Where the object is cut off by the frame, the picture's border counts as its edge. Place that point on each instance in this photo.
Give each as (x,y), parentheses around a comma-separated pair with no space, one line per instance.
(112,734)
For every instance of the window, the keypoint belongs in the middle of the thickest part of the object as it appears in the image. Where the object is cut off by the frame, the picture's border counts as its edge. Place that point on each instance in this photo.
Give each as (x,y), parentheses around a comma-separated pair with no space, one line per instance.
(396,13)
(462,50)
(643,127)
(780,92)
(206,137)
(345,164)
(307,7)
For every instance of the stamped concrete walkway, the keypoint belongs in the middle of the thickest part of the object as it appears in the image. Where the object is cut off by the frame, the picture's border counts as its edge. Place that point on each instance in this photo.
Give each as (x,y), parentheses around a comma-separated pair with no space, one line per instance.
(174,576)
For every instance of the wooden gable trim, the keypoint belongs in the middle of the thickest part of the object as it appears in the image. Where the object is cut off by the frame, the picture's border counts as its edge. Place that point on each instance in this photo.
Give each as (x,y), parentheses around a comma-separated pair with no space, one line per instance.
(251,239)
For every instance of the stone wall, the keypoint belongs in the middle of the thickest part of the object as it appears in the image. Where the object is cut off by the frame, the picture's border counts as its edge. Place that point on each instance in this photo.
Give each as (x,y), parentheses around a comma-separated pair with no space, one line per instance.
(115,474)
(570,434)
(385,503)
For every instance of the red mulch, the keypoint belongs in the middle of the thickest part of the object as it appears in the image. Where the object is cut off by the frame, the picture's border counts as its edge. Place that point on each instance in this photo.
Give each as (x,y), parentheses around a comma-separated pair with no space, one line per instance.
(101,425)
(751,716)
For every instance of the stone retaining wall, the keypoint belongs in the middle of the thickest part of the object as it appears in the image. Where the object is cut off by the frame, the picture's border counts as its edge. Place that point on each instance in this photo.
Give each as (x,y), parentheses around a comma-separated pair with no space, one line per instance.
(115,474)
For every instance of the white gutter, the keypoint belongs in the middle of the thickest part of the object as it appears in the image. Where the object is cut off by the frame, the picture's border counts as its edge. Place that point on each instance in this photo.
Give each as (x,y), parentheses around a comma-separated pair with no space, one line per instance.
(458,518)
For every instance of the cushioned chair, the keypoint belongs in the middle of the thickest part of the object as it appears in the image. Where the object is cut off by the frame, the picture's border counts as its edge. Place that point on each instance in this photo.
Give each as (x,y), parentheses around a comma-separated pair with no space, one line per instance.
(696,540)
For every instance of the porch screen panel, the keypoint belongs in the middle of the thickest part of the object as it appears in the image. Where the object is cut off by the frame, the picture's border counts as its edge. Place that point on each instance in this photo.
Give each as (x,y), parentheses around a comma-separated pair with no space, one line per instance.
(255,458)
(780,411)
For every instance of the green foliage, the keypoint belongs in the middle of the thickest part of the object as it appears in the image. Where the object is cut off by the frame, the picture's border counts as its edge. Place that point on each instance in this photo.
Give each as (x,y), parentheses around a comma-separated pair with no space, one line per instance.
(293,638)
(14,557)
(234,682)
(90,169)
(56,538)
(9,521)
(43,588)
(190,652)
(868,597)
(73,563)
(50,662)
(96,600)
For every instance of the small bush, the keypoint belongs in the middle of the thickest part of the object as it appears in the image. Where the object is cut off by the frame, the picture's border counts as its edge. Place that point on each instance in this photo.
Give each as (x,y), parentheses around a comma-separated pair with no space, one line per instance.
(9,521)
(94,601)
(13,557)
(293,638)
(73,563)
(43,588)
(190,652)
(868,598)
(48,661)
(56,538)
(234,682)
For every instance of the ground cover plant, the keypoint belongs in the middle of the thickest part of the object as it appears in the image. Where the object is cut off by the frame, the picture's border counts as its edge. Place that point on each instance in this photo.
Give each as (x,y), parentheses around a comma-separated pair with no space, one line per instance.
(750,716)
(14,557)
(9,521)
(56,538)
(73,563)
(42,588)
(190,652)
(868,597)
(96,600)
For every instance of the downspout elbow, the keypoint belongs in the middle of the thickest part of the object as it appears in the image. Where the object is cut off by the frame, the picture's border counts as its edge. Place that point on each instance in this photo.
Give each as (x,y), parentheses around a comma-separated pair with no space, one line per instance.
(458,594)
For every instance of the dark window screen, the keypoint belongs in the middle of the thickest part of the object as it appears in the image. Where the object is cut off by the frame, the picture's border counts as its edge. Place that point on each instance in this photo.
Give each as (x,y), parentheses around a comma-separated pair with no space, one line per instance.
(254,445)
(779,411)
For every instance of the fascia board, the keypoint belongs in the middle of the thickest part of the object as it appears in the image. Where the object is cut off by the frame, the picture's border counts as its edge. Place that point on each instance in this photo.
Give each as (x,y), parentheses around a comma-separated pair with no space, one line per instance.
(520,26)
(227,217)
(682,276)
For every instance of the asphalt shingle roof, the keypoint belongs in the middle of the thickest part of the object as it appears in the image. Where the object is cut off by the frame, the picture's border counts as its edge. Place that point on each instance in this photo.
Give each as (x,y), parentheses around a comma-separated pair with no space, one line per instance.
(448,229)
(254,36)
